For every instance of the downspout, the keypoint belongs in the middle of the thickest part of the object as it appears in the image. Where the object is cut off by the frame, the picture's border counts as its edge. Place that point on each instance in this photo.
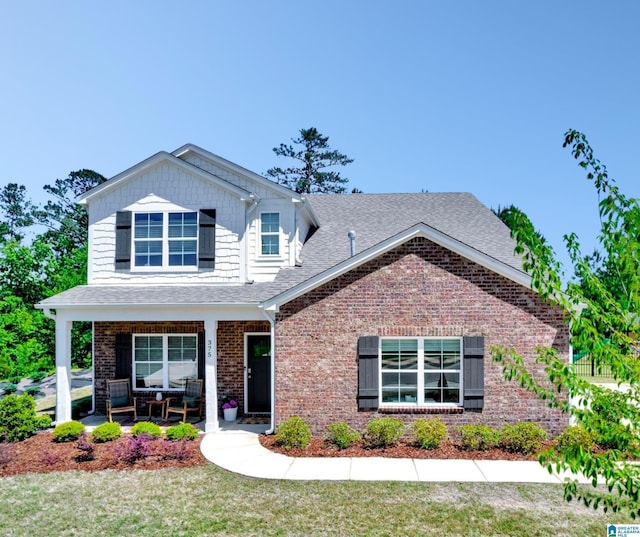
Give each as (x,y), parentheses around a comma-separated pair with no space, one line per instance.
(270,316)
(255,201)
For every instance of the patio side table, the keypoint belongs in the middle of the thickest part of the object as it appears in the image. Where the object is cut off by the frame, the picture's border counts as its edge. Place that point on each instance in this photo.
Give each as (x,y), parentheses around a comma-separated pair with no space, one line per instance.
(162,404)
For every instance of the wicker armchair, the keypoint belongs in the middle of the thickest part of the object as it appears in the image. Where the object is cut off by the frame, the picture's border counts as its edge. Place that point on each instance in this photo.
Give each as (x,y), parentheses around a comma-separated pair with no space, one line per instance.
(119,398)
(191,401)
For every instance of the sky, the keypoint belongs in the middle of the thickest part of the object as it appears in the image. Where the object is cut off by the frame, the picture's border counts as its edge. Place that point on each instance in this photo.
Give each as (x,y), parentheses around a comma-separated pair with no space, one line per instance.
(443,96)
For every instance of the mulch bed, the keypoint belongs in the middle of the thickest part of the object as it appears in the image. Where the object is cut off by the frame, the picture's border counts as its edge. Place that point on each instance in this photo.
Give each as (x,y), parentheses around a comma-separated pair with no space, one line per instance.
(447,450)
(40,454)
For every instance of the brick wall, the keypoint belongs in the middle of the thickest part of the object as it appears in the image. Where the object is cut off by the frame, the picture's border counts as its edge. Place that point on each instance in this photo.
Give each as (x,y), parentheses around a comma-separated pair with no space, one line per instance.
(230,350)
(418,289)
(231,356)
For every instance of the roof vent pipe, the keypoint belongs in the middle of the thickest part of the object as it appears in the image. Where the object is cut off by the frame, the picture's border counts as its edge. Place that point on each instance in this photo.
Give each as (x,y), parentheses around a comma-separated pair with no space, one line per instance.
(352,240)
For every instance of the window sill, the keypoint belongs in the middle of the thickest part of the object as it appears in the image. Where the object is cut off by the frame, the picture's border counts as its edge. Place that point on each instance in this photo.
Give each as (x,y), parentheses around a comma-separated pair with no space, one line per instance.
(420,410)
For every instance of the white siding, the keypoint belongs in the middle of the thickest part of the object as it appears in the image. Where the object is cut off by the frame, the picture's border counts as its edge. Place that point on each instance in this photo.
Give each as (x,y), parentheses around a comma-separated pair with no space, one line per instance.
(162,188)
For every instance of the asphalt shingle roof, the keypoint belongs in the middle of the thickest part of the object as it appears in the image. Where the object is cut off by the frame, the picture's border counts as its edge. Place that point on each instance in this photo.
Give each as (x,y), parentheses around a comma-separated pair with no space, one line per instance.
(374,218)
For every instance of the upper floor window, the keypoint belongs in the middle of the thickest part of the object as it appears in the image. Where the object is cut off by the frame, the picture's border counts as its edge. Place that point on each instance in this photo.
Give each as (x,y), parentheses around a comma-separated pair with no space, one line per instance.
(165,240)
(270,233)
(170,241)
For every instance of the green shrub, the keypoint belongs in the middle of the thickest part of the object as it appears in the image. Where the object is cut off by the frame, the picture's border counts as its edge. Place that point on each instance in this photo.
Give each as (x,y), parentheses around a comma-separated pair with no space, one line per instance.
(429,433)
(383,432)
(576,436)
(68,431)
(18,419)
(478,437)
(38,376)
(146,427)
(182,431)
(15,379)
(9,388)
(341,435)
(106,432)
(293,433)
(523,437)
(43,422)
(32,390)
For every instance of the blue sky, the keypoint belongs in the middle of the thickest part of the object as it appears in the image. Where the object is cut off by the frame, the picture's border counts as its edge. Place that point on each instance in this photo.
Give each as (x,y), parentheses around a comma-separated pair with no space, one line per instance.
(442,96)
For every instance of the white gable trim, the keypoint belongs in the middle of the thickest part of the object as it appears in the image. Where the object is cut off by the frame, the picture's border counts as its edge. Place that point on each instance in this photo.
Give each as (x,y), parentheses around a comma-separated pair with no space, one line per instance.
(154,160)
(224,163)
(419,230)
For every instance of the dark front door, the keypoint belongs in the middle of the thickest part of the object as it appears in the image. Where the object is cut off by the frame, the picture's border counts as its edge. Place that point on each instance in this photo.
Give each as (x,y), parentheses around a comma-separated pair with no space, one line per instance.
(259,373)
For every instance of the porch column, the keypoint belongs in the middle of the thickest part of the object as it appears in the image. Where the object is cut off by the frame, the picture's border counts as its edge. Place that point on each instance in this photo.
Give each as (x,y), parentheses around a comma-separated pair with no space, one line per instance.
(63,370)
(210,375)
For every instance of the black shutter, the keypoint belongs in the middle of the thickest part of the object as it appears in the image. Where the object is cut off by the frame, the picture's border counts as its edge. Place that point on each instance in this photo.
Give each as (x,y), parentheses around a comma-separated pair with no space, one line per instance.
(123,240)
(201,354)
(368,372)
(124,356)
(473,372)
(207,238)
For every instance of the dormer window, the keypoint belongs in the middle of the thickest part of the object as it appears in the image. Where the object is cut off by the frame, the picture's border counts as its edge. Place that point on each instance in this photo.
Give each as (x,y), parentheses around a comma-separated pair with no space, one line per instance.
(168,240)
(270,233)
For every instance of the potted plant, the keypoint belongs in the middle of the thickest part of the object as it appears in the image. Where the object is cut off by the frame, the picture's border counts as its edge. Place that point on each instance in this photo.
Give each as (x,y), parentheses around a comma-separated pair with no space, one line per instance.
(230,409)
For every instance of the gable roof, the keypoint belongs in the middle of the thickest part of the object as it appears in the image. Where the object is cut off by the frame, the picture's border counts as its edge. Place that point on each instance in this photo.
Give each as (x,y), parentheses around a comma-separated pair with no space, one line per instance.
(154,160)
(186,149)
(457,221)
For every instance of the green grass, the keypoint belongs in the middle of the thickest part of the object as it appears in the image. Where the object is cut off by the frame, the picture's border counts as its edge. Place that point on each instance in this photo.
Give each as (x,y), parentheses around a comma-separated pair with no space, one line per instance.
(49,402)
(209,501)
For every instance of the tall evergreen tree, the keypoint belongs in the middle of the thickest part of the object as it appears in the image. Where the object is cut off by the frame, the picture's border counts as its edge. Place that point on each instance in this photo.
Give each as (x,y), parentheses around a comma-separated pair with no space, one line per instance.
(310,175)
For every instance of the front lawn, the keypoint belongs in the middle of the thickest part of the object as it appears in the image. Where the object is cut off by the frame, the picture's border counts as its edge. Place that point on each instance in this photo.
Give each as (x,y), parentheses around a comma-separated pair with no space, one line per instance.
(205,501)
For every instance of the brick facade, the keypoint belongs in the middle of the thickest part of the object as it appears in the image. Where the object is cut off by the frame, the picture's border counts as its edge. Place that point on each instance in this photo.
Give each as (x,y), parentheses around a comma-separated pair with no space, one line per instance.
(230,349)
(417,289)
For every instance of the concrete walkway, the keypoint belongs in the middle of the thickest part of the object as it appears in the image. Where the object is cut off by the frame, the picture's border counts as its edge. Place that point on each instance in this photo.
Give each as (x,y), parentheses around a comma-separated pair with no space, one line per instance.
(239,451)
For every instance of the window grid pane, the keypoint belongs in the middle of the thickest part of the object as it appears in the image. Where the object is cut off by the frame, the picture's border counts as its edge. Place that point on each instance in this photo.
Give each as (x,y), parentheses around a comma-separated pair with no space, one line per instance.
(436,362)
(177,355)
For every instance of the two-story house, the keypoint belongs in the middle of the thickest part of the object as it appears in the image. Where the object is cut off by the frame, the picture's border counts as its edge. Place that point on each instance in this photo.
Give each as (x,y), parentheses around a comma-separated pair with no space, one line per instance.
(330,307)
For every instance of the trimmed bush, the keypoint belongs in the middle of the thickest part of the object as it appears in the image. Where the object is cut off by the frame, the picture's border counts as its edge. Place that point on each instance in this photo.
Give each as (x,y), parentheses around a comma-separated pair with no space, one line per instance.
(293,433)
(429,433)
(68,432)
(106,432)
(524,437)
(43,422)
(18,420)
(383,432)
(341,435)
(32,390)
(182,431)
(146,427)
(478,437)
(38,376)
(10,388)
(576,436)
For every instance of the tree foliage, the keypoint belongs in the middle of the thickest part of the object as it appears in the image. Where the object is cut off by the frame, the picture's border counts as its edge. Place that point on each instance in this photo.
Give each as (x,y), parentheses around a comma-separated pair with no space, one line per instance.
(54,261)
(602,305)
(310,174)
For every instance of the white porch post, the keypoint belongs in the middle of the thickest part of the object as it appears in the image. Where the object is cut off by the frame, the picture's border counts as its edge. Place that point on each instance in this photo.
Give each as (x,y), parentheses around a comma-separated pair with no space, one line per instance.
(210,375)
(63,370)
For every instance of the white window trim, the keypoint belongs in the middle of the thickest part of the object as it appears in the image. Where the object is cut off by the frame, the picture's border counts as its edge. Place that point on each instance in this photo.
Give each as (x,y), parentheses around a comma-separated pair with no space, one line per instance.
(165,267)
(270,233)
(165,361)
(420,374)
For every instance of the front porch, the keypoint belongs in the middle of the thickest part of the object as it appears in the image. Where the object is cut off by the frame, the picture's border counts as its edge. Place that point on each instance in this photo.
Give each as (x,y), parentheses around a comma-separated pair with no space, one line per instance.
(157,350)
